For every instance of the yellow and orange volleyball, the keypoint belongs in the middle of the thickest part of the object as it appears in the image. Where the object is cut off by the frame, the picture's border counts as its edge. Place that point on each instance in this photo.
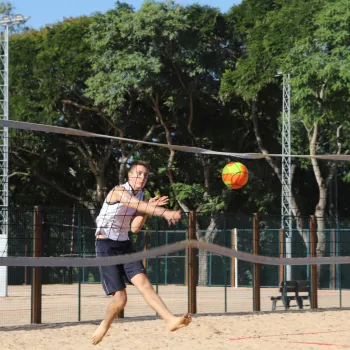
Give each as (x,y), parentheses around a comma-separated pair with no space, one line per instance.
(235,175)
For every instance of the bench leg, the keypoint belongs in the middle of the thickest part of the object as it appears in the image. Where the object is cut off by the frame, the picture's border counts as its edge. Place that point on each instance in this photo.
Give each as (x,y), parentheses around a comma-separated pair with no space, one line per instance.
(274,302)
(285,303)
(300,302)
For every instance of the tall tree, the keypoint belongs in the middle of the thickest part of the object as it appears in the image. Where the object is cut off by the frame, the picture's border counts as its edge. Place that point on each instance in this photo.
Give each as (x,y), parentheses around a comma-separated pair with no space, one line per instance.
(271,42)
(318,64)
(169,59)
(49,87)
(48,68)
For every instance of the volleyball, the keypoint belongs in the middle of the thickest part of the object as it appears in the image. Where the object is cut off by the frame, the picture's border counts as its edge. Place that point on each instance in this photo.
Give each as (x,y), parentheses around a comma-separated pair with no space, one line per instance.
(235,175)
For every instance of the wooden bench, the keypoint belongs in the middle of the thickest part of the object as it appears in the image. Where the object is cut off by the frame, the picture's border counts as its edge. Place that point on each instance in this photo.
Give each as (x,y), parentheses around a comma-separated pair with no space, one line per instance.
(290,290)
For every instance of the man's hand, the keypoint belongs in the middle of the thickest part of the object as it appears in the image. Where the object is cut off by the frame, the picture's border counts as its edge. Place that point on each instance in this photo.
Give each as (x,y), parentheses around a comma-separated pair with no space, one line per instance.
(172,216)
(159,201)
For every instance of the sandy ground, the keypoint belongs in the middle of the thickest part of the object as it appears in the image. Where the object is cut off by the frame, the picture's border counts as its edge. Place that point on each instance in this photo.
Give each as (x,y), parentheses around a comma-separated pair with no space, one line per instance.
(322,329)
(60,303)
(212,328)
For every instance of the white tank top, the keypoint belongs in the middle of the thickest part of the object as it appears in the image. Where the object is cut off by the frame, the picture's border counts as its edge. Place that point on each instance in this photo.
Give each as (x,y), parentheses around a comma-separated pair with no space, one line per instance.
(114,219)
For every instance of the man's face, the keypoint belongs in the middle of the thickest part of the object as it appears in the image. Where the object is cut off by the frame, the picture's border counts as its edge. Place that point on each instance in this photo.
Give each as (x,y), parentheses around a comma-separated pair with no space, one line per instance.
(138,177)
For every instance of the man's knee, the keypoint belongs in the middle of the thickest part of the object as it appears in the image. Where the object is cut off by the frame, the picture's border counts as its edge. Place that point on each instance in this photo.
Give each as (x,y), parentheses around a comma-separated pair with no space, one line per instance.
(120,298)
(141,282)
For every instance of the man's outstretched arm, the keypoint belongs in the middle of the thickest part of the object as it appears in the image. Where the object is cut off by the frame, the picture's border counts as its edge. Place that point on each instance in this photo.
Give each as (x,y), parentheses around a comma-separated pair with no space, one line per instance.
(120,194)
(139,220)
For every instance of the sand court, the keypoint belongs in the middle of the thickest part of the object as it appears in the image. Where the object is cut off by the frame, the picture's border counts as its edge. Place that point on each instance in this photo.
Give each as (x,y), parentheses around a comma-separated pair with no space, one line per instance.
(212,328)
(320,329)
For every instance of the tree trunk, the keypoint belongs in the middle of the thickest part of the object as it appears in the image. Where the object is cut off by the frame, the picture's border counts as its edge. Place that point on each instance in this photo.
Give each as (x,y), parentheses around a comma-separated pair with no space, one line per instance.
(323,184)
(101,190)
(203,254)
(323,190)
(122,170)
(203,268)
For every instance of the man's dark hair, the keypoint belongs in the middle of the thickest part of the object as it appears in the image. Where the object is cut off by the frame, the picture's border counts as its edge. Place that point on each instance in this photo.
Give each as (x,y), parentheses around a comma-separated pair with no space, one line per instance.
(139,162)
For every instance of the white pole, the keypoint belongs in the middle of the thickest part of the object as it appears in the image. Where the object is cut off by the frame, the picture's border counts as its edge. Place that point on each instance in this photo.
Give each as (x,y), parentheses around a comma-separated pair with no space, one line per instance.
(236,260)
(5,22)
(4,162)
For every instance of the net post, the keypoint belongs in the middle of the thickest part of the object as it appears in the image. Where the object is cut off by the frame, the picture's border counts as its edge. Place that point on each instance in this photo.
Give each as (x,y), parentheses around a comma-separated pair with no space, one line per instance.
(334,253)
(281,254)
(233,260)
(144,247)
(256,286)
(79,250)
(186,263)
(192,265)
(37,271)
(26,280)
(225,262)
(313,243)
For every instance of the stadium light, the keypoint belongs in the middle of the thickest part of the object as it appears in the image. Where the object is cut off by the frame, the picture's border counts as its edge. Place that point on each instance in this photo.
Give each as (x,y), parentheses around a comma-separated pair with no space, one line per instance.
(7,21)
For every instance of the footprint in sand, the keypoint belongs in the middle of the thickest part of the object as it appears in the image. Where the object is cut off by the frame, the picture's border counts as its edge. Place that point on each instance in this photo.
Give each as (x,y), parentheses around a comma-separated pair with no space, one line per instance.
(208,331)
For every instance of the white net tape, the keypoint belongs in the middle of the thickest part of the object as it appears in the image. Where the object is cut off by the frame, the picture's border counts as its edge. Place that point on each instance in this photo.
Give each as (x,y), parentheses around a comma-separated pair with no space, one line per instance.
(75,132)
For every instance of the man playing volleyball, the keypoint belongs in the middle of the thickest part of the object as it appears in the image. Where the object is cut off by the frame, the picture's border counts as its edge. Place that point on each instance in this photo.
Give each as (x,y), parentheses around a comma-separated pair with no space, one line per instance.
(124,210)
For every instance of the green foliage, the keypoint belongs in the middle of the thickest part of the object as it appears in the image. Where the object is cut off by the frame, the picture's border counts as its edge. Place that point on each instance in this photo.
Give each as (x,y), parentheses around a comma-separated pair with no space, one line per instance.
(161,73)
(307,40)
(47,73)
(157,50)
(193,194)
(271,30)
(198,198)
(318,63)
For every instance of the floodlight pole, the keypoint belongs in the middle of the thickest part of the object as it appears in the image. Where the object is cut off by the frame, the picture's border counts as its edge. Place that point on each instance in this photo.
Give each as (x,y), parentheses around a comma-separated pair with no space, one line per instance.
(5,23)
(286,203)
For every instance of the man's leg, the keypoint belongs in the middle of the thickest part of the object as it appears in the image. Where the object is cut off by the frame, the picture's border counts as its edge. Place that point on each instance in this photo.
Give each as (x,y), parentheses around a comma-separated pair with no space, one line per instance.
(142,283)
(118,303)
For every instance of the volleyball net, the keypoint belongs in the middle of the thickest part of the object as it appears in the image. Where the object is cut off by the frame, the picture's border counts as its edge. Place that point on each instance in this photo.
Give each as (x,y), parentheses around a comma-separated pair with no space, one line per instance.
(204,257)
(67,239)
(171,248)
(201,268)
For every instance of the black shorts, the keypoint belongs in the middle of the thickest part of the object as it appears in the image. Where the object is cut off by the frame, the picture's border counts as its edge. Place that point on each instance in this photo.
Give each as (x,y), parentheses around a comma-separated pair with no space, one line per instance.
(113,277)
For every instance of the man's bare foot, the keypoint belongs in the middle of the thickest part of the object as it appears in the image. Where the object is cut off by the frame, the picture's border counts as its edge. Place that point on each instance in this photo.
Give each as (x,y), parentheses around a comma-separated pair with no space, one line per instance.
(179,322)
(99,333)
